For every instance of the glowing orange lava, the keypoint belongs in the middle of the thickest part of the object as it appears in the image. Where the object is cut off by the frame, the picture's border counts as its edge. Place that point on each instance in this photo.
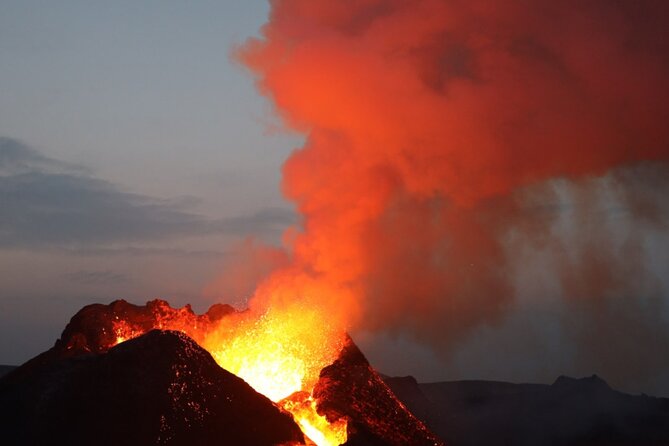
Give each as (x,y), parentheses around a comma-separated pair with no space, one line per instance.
(279,353)
(319,430)
(124,331)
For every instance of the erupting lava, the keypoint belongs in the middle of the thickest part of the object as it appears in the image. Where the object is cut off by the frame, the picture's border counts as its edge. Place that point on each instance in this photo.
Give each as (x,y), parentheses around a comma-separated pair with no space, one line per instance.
(280,353)
(319,430)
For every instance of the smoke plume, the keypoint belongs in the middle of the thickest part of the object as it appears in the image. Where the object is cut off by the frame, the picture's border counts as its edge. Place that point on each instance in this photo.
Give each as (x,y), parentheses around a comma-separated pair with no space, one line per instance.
(434,127)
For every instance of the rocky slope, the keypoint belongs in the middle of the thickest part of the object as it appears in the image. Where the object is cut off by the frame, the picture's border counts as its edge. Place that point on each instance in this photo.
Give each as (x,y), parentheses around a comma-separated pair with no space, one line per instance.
(162,387)
(159,388)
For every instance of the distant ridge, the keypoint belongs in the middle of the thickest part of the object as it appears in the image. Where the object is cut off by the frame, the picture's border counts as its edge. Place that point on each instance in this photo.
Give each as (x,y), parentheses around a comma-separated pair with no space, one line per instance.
(593,382)
(571,411)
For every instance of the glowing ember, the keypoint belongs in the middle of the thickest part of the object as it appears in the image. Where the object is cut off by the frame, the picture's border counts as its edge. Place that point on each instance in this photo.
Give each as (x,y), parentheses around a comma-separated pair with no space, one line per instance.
(124,331)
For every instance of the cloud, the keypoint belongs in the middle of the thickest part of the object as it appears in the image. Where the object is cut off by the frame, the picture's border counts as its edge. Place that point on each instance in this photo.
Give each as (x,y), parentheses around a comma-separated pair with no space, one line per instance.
(104,277)
(16,158)
(48,203)
(272,219)
(137,251)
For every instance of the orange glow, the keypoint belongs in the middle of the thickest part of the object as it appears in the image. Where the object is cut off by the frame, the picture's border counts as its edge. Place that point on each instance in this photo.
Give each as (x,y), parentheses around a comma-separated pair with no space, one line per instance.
(279,352)
(425,121)
(315,426)
(124,331)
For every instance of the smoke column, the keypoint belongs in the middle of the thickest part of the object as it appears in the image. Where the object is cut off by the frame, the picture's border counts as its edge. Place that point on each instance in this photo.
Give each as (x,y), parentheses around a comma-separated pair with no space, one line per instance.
(433,129)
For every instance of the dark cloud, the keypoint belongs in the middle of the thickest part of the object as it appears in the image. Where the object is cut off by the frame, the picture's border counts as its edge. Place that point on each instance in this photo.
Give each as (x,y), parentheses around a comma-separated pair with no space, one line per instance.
(272,219)
(47,203)
(136,251)
(16,157)
(104,277)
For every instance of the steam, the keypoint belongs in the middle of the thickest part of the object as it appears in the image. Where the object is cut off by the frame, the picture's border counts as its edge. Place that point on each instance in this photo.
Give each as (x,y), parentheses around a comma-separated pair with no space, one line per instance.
(436,131)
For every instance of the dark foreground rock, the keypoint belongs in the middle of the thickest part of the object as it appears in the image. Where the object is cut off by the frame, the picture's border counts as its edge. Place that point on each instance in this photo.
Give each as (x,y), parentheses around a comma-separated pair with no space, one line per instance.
(5,369)
(571,412)
(159,388)
(351,388)
(98,327)
(83,385)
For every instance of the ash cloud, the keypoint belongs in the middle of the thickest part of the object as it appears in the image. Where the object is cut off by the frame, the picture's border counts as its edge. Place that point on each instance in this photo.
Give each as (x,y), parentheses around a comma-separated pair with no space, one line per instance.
(617,306)
(446,137)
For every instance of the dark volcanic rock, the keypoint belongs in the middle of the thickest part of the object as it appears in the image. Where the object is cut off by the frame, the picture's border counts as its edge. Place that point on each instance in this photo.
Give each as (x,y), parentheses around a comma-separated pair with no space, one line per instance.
(95,327)
(574,412)
(5,369)
(83,386)
(350,388)
(159,388)
(98,327)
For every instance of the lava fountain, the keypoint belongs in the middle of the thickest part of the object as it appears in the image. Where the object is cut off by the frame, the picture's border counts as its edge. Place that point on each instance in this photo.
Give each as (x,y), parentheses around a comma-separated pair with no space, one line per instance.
(279,352)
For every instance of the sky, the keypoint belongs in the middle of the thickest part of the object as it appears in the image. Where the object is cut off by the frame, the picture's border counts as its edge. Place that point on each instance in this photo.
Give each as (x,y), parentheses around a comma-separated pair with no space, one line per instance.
(139,160)
(145,153)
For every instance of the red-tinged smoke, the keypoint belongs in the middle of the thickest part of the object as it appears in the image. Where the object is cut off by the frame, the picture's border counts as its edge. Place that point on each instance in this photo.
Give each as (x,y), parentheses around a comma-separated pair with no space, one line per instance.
(248,263)
(427,123)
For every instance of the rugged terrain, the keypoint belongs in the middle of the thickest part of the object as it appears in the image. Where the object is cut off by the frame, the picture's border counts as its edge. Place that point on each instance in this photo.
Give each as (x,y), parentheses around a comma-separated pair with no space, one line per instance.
(569,412)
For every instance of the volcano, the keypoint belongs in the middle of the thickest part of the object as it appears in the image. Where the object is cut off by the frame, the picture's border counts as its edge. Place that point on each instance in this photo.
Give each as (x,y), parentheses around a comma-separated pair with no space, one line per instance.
(159,388)
(129,374)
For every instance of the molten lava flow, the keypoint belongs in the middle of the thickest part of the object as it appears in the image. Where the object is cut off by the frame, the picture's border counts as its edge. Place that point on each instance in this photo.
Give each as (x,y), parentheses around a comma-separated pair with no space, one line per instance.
(303,407)
(279,352)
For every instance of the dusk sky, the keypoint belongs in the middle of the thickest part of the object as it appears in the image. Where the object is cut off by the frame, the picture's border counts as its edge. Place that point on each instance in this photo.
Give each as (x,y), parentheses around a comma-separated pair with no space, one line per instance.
(148,154)
(138,159)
